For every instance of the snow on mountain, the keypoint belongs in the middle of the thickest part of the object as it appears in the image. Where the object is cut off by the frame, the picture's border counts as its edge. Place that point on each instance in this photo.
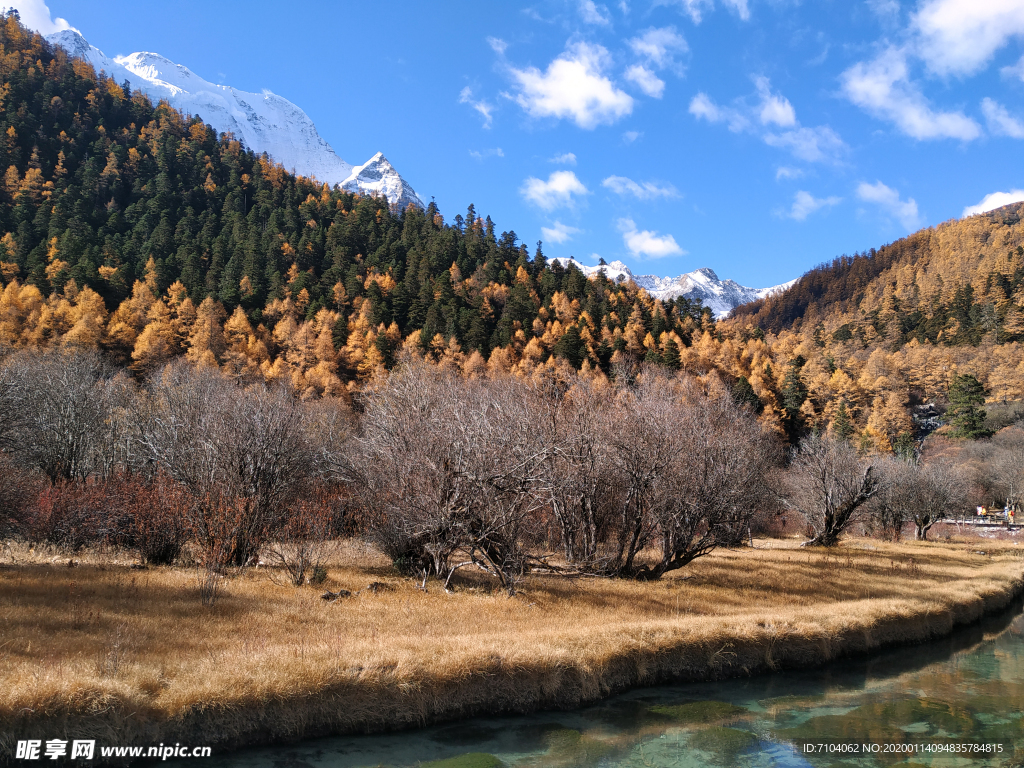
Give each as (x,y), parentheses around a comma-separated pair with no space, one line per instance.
(264,122)
(721,296)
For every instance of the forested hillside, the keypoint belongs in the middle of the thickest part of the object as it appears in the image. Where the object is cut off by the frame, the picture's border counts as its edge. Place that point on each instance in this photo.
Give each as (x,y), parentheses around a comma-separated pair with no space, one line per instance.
(135,230)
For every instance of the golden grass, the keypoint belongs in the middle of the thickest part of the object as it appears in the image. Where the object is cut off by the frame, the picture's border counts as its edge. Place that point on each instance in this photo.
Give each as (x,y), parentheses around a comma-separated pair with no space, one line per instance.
(131,656)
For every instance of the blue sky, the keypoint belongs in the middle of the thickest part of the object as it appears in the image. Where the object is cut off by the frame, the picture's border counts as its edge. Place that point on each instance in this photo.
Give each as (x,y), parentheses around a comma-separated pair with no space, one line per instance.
(756,137)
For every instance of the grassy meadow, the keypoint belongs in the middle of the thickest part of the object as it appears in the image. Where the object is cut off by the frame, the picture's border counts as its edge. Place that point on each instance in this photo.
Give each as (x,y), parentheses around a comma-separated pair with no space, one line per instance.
(100,649)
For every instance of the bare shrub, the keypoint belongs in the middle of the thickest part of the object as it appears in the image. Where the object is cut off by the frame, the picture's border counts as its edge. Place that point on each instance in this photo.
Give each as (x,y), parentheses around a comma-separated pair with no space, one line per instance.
(156,513)
(71,515)
(305,542)
(18,489)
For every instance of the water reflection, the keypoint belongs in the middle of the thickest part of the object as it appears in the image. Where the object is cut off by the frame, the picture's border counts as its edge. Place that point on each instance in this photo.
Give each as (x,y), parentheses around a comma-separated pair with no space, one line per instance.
(967,689)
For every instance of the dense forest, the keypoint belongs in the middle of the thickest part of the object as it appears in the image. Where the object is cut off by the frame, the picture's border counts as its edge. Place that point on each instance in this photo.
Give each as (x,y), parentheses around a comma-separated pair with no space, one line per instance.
(134,230)
(137,229)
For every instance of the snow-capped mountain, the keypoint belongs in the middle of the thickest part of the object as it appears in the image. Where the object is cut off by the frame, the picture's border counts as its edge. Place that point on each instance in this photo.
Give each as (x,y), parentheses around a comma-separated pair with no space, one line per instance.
(264,122)
(721,296)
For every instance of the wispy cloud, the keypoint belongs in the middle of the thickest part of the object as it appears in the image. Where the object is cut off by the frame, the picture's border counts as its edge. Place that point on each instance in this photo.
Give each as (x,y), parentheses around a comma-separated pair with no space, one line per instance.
(646,242)
(815,145)
(658,47)
(646,80)
(769,111)
(483,107)
(695,9)
(559,191)
(558,232)
(566,158)
(883,88)
(889,201)
(630,136)
(646,190)
(481,154)
(804,204)
(591,13)
(1000,121)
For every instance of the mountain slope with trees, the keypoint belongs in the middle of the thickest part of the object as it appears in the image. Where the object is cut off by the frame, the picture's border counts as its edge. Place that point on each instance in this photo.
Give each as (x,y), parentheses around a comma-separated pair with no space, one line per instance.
(130,228)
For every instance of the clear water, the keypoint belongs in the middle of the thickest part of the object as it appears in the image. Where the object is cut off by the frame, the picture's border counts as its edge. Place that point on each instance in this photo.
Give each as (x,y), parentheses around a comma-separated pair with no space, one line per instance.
(967,689)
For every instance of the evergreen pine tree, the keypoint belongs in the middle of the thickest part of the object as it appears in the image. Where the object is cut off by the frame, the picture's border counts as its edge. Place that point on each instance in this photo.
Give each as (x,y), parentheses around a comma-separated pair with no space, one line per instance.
(841,424)
(966,414)
(745,396)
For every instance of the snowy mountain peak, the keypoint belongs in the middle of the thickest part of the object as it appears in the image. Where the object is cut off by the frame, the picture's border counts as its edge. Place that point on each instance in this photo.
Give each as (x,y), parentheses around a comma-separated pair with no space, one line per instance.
(707,273)
(264,122)
(721,296)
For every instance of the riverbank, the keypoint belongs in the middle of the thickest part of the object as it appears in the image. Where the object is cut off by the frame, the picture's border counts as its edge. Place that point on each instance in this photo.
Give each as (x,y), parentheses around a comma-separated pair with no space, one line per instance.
(102,651)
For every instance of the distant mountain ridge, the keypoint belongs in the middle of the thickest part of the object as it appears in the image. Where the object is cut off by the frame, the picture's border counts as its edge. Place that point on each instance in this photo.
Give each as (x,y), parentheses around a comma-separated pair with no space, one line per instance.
(721,296)
(264,122)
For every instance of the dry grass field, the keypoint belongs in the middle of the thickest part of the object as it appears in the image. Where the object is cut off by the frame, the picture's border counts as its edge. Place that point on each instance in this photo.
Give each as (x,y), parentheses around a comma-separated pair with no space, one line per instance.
(102,650)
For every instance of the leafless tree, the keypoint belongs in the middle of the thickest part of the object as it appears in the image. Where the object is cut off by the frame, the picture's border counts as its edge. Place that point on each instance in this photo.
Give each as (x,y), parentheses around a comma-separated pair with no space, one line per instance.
(999,466)
(579,474)
(942,491)
(449,466)
(56,410)
(829,484)
(696,468)
(242,450)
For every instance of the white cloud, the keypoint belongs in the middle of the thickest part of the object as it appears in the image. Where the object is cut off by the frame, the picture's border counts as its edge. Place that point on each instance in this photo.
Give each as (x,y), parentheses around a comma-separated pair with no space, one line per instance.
(481,106)
(883,88)
(646,242)
(886,10)
(1017,70)
(695,8)
(658,46)
(701,106)
(556,192)
(820,144)
(558,232)
(480,155)
(692,8)
(815,145)
(566,158)
(888,199)
(591,13)
(630,136)
(804,204)
(960,36)
(573,87)
(646,190)
(785,172)
(35,14)
(775,109)
(995,200)
(498,45)
(740,7)
(646,81)
(1000,121)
